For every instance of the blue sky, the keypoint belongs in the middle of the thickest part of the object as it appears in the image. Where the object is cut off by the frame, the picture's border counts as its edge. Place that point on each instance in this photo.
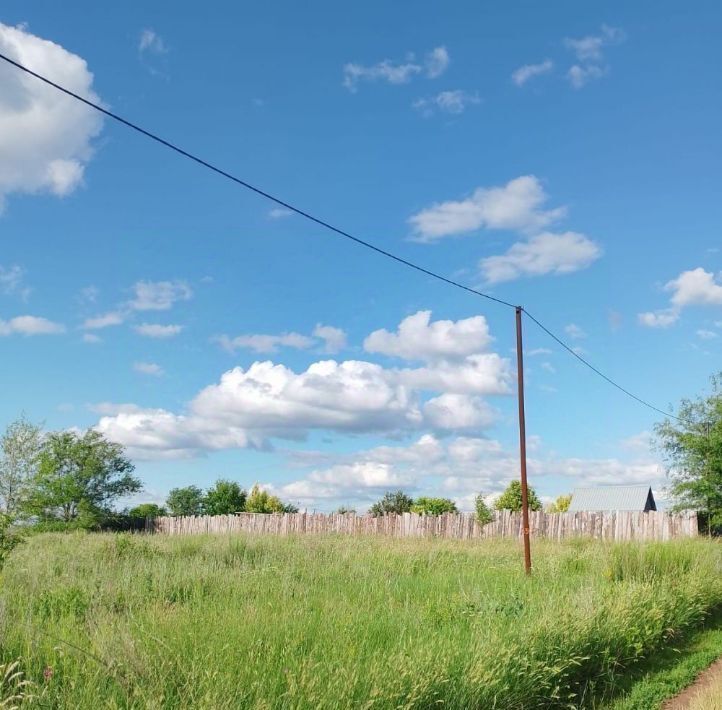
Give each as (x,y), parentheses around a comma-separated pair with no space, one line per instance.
(564,158)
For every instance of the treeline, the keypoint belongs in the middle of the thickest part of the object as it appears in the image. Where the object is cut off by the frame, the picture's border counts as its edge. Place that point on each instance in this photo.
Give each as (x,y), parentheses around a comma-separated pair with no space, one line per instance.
(223,498)
(510,499)
(73,480)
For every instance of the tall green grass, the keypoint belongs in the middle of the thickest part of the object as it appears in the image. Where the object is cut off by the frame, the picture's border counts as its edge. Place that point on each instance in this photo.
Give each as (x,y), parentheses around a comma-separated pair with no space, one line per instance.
(124,621)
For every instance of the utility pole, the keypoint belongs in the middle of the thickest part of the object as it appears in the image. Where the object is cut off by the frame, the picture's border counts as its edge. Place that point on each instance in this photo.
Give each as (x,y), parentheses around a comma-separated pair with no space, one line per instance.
(522,442)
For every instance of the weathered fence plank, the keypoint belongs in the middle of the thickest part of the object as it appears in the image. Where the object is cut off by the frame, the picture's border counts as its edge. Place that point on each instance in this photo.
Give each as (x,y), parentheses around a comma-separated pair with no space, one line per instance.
(620,525)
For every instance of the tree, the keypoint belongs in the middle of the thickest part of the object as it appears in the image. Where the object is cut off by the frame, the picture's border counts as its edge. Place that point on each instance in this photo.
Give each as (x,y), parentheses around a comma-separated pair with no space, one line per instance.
(79,475)
(510,499)
(19,458)
(147,510)
(392,502)
(483,514)
(433,506)
(692,449)
(185,501)
(344,510)
(260,501)
(224,498)
(561,504)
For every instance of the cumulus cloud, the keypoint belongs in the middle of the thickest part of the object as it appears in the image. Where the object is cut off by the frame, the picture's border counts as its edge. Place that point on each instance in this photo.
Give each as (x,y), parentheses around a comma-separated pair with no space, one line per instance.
(458,411)
(526,72)
(515,206)
(155,330)
(334,338)
(459,467)
(30,325)
(159,295)
(545,253)
(417,338)
(434,65)
(269,400)
(453,102)
(45,136)
(695,287)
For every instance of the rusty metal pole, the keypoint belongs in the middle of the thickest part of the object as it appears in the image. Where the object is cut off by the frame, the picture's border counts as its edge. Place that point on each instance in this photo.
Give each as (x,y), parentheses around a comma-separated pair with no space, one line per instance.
(522,442)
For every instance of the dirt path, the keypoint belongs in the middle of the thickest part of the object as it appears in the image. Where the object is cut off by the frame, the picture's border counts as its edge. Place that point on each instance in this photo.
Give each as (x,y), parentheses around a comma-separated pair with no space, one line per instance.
(704,694)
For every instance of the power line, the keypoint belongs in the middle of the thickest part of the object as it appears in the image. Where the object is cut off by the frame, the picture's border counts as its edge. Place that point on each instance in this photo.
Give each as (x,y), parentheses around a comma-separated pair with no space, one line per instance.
(323,223)
(573,352)
(253,188)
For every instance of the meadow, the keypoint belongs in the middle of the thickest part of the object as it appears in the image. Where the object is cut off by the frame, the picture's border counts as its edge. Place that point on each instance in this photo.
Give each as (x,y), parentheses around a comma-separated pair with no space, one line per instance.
(132,621)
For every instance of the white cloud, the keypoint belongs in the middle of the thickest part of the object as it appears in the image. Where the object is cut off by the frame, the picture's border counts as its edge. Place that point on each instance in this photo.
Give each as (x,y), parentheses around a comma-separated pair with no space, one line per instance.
(159,295)
(545,253)
(514,206)
(434,65)
(695,287)
(262,343)
(526,72)
(417,338)
(150,41)
(148,368)
(460,467)
(279,213)
(483,374)
(437,62)
(590,57)
(590,48)
(659,319)
(155,330)
(30,325)
(11,282)
(104,321)
(458,411)
(91,339)
(45,136)
(268,400)
(574,331)
(706,334)
(454,102)
(334,338)
(579,76)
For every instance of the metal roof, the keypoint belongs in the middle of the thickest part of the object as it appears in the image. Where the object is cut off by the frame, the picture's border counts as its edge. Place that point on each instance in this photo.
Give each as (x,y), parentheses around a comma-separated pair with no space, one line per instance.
(612,498)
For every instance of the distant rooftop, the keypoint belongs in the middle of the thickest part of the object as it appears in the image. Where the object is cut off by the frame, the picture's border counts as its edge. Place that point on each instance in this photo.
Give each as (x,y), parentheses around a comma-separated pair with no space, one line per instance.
(638,498)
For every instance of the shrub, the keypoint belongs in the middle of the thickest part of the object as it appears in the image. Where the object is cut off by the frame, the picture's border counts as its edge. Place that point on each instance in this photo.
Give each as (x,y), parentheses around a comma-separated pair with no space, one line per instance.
(224,498)
(433,506)
(392,502)
(9,537)
(560,505)
(483,514)
(260,501)
(510,499)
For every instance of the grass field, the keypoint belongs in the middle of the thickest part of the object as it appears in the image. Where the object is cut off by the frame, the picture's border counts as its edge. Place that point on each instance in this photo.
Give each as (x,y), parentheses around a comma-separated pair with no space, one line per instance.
(321,622)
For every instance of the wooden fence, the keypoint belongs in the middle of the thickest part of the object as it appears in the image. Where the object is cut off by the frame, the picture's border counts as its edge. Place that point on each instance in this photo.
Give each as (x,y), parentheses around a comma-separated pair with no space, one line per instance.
(621,525)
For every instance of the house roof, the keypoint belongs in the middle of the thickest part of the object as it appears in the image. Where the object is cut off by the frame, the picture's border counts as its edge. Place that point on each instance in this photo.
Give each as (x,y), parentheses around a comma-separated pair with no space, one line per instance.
(611,498)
